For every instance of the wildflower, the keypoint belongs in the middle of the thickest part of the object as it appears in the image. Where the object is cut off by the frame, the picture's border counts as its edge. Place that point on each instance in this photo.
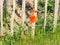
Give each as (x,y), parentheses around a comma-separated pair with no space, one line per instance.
(32,18)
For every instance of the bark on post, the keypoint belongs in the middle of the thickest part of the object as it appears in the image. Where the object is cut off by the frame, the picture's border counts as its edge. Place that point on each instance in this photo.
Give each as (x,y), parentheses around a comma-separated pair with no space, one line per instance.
(12,17)
(33,24)
(23,15)
(55,14)
(2,17)
(46,2)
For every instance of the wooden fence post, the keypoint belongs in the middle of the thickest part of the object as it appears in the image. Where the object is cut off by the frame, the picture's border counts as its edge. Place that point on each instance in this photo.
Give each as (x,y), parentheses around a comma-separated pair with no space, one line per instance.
(12,17)
(33,24)
(55,14)
(23,15)
(46,2)
(2,17)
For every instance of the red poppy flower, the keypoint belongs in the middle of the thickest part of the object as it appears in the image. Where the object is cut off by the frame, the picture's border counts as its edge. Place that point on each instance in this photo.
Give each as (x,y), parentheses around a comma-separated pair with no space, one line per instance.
(32,18)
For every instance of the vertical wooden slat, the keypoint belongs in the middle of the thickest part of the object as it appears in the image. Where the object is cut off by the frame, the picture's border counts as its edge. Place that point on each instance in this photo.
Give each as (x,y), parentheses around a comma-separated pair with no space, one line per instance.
(12,17)
(33,24)
(1,17)
(55,14)
(1,20)
(46,2)
(23,13)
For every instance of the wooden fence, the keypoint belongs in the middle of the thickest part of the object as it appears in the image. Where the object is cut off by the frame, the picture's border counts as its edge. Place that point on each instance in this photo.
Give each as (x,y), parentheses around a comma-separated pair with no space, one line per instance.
(23,15)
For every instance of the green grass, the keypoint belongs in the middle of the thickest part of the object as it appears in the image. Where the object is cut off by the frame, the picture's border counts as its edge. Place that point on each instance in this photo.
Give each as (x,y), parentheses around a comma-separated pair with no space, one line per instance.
(40,38)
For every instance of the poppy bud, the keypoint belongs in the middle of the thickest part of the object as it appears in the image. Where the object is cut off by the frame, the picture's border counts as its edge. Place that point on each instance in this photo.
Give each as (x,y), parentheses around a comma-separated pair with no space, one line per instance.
(34,11)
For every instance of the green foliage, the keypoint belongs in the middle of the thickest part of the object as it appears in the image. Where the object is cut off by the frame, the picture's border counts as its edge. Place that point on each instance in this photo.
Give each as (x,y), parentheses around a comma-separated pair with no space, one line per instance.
(50,5)
(5,14)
